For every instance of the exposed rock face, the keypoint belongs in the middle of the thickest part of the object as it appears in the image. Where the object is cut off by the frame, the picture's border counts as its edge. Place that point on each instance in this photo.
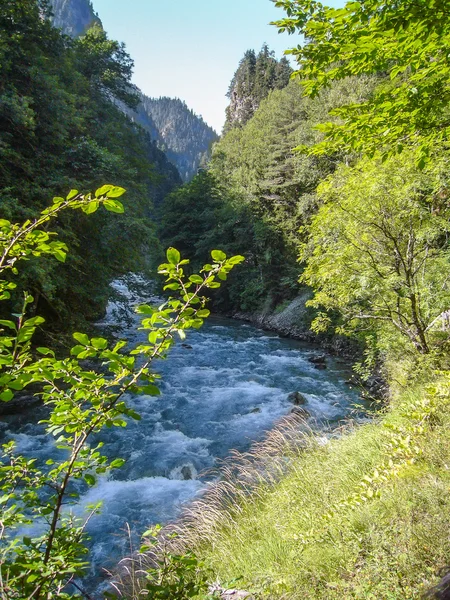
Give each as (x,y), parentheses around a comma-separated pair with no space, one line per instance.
(74,17)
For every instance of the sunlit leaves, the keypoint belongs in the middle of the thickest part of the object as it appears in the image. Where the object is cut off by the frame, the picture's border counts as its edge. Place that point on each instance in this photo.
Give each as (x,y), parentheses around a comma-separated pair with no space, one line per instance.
(407,41)
(82,398)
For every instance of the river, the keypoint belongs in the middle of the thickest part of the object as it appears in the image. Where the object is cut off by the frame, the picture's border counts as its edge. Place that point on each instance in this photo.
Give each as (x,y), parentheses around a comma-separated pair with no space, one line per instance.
(221,390)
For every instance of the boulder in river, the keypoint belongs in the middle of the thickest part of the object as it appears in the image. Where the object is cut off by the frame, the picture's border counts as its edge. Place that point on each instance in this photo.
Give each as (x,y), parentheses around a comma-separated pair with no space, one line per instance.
(186,472)
(187,346)
(255,410)
(319,361)
(297,398)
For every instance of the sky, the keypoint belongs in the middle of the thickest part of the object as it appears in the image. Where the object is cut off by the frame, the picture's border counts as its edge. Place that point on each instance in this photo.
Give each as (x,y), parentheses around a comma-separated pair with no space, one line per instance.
(190,49)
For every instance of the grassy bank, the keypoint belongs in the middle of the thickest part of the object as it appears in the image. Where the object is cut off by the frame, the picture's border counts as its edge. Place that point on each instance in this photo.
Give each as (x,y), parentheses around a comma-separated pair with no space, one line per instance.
(363,515)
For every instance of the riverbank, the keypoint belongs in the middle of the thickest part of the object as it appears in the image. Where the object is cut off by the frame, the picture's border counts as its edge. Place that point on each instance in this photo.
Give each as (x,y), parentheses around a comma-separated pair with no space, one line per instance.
(292,319)
(361,516)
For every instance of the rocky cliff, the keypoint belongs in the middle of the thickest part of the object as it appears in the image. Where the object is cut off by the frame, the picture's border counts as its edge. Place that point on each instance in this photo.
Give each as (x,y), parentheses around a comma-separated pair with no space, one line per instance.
(73,17)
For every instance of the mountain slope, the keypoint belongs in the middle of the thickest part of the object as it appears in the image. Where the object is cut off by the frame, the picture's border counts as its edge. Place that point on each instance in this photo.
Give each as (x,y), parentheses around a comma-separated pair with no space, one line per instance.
(73,17)
(183,135)
(255,77)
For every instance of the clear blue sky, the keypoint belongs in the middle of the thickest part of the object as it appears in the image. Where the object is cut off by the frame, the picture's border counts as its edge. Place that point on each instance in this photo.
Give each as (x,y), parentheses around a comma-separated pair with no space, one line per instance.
(190,49)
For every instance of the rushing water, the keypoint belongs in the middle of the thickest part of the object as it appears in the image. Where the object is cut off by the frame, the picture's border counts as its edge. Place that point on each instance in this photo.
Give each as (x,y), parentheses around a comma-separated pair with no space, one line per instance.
(221,390)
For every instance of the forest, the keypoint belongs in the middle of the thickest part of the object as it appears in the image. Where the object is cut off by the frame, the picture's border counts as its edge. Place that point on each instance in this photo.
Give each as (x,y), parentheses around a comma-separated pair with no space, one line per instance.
(326,198)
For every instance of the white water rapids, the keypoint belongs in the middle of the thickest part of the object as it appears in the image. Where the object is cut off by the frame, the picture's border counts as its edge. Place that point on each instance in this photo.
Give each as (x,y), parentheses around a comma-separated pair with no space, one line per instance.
(221,390)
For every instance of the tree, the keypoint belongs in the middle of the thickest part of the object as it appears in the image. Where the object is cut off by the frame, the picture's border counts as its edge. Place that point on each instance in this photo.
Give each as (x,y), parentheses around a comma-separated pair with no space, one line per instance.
(254,78)
(406,43)
(61,128)
(81,401)
(378,248)
(107,65)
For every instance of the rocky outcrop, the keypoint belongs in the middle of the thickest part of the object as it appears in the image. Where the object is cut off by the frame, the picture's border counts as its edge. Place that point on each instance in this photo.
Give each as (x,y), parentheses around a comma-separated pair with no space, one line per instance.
(74,17)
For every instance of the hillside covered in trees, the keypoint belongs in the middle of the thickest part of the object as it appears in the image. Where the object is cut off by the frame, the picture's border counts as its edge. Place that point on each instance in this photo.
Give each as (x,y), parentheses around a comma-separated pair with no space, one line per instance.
(256,76)
(184,137)
(61,130)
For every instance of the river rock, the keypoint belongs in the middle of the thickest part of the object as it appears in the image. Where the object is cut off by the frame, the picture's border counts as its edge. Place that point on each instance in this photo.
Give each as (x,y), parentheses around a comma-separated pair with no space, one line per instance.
(187,346)
(186,473)
(319,361)
(297,398)
(255,410)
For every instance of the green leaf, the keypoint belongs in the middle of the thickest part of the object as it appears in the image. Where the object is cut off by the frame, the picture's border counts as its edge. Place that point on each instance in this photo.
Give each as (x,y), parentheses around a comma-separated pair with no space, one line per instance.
(150,390)
(117,463)
(76,350)
(45,351)
(103,191)
(203,313)
(91,207)
(153,336)
(89,479)
(6,396)
(72,194)
(196,279)
(99,343)
(59,254)
(82,338)
(116,192)
(235,260)
(173,256)
(114,206)
(218,255)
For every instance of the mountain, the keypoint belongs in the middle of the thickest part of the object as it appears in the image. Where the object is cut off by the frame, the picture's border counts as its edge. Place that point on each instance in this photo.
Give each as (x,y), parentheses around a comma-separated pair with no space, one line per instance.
(73,17)
(178,131)
(183,135)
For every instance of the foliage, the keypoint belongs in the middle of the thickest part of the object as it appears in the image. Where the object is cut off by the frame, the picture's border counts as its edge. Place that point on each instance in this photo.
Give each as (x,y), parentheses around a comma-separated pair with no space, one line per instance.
(81,401)
(172,575)
(378,248)
(61,128)
(256,195)
(255,77)
(407,42)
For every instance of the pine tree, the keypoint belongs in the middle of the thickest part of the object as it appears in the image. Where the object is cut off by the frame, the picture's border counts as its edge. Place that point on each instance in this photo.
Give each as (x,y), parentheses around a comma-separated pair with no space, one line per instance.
(254,78)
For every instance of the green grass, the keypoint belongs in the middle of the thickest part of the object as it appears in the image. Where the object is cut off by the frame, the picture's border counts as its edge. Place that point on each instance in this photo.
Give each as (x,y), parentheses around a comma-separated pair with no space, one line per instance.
(364,516)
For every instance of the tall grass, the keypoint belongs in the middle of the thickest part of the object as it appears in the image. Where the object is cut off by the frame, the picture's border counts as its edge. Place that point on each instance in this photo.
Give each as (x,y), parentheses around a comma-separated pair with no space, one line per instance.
(363,514)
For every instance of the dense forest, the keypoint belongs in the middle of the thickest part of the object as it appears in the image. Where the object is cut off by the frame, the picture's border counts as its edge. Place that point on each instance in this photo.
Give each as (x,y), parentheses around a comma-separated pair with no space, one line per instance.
(60,129)
(329,184)
(184,137)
